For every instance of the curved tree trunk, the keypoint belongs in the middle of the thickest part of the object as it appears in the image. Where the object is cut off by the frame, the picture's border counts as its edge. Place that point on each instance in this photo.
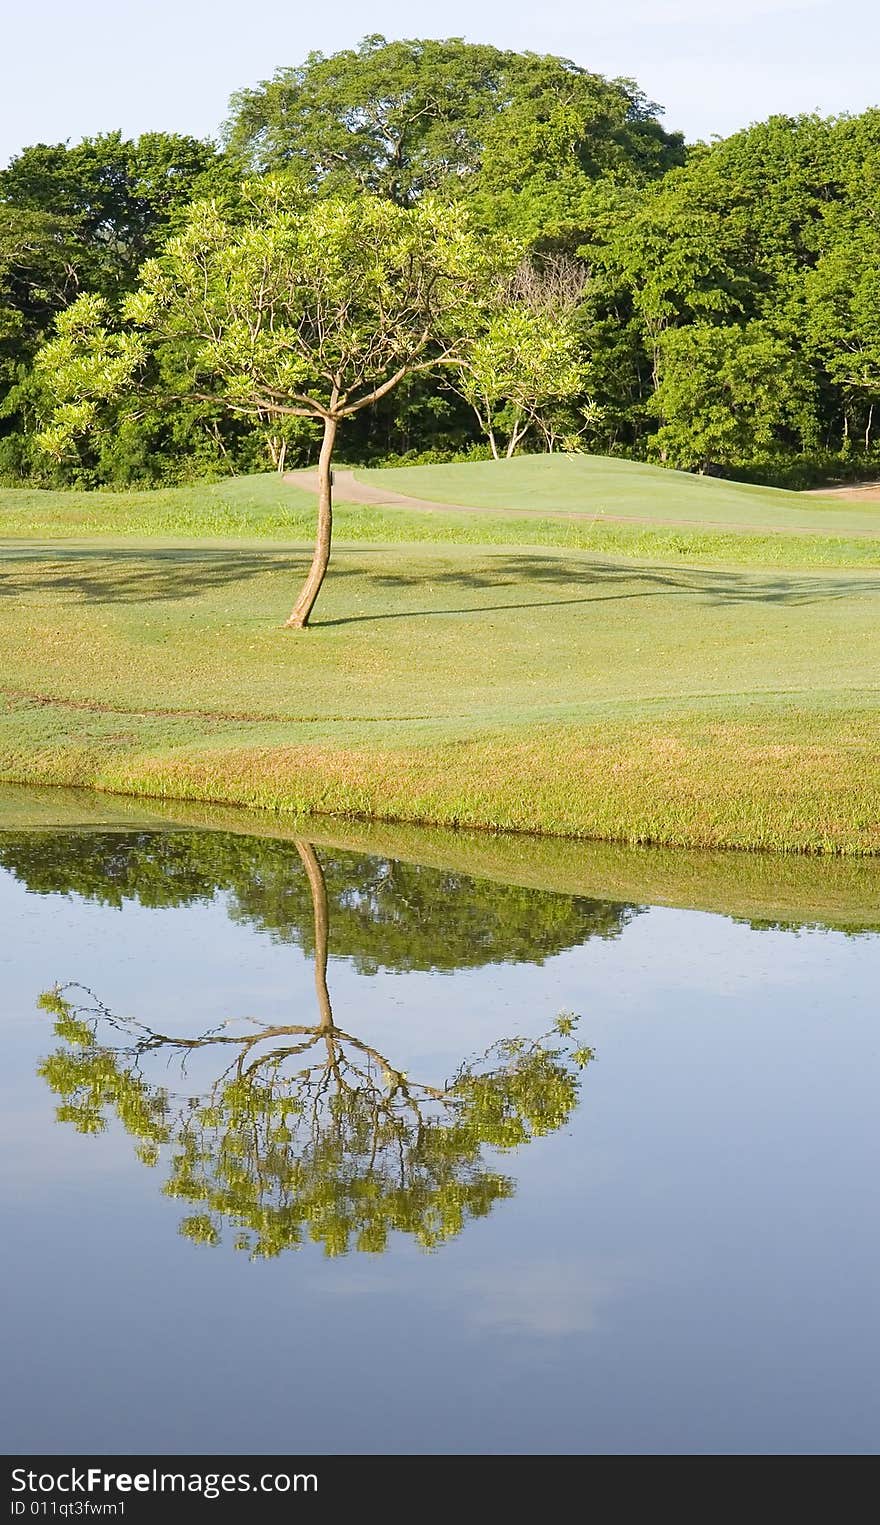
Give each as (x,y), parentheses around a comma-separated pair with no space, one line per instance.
(299,616)
(318,885)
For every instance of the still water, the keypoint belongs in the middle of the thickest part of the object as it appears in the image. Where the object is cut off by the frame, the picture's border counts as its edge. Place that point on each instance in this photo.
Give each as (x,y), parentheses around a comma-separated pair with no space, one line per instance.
(416,1145)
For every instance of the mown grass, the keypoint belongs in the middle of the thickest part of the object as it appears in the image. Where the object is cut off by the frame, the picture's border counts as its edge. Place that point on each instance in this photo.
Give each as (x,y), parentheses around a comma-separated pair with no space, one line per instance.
(596,484)
(266,508)
(504,688)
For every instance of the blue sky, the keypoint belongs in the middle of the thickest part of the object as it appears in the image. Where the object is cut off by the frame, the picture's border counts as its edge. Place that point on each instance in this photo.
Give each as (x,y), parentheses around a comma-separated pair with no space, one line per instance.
(69,68)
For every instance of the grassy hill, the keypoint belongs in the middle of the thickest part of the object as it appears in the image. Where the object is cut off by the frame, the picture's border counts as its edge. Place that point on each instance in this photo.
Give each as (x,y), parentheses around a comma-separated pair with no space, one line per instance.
(603,485)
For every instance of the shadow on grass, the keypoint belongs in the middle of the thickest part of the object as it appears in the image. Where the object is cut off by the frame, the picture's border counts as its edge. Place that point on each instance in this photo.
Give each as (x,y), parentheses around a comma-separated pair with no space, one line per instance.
(96,576)
(137,576)
(607,583)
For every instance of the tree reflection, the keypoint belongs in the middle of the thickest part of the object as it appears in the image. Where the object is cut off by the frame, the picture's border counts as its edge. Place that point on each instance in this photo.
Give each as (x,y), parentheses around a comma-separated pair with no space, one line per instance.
(308,1131)
(386,913)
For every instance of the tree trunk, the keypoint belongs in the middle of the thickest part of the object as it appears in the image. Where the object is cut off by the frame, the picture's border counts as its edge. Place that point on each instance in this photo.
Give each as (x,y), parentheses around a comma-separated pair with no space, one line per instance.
(517,434)
(318,886)
(299,616)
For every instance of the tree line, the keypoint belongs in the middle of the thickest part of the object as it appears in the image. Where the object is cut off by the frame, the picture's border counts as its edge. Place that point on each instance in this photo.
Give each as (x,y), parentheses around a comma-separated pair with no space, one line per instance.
(489,251)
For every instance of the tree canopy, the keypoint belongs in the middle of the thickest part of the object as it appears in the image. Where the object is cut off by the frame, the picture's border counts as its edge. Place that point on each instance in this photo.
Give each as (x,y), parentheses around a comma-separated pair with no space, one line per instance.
(403,119)
(308,1132)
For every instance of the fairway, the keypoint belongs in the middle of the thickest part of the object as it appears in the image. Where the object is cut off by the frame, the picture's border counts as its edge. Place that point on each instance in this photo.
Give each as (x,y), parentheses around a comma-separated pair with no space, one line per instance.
(541,690)
(408,635)
(600,485)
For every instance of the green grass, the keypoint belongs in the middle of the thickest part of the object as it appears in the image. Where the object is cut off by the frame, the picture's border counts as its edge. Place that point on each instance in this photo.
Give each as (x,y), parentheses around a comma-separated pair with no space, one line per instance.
(533,512)
(526,688)
(600,485)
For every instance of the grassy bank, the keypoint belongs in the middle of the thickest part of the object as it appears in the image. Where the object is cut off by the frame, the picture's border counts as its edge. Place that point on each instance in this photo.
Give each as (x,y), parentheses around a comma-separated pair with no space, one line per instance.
(536,690)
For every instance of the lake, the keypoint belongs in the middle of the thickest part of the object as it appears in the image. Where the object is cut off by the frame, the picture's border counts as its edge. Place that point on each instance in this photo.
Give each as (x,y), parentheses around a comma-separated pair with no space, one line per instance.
(327,1139)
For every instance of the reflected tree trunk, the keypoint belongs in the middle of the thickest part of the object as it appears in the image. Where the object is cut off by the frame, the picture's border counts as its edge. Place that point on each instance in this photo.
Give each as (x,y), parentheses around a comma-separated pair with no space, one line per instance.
(321,911)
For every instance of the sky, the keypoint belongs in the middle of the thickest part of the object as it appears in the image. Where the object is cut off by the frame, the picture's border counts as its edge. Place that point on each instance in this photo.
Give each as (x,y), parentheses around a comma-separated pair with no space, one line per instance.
(72,68)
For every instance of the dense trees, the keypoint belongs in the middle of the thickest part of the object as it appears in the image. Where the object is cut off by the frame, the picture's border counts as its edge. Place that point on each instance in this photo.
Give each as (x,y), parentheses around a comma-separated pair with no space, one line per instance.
(83,219)
(720,303)
(744,279)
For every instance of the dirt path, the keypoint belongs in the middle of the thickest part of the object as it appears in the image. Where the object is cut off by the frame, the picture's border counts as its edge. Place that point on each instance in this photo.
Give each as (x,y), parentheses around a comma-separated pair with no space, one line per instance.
(348,489)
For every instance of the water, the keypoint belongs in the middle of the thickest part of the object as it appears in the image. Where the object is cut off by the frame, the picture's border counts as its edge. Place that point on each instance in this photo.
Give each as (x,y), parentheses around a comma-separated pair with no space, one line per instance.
(207,1249)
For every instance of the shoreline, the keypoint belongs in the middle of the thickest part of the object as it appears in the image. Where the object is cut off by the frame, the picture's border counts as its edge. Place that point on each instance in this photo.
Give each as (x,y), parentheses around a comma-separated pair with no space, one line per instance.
(638,791)
(841,893)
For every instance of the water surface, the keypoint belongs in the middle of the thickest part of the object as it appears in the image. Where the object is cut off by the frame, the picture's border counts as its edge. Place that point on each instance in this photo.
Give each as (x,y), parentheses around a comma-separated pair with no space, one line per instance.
(364,1142)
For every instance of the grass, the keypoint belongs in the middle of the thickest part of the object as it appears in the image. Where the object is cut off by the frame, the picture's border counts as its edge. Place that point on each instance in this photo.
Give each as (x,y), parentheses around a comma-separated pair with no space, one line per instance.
(537,689)
(533,512)
(597,485)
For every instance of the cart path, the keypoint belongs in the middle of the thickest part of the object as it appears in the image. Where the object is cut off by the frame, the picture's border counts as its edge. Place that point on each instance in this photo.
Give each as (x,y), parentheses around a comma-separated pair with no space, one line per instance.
(349,490)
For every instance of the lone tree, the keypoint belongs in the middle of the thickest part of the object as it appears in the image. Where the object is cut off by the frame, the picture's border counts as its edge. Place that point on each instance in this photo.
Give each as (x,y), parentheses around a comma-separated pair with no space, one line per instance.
(282,306)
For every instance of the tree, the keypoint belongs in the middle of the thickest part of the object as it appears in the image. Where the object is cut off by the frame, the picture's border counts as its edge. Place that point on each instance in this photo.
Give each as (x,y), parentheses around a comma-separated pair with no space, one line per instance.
(730,395)
(309,1129)
(294,308)
(524,352)
(409,118)
(40,267)
(843,294)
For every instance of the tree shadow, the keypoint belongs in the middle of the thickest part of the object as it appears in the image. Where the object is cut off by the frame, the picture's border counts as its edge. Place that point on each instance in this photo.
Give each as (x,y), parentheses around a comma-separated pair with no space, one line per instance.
(605,582)
(96,576)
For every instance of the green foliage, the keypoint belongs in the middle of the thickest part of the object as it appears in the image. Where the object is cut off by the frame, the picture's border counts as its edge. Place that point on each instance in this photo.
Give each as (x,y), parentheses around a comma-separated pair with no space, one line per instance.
(740,257)
(287,307)
(522,354)
(121,197)
(843,295)
(405,119)
(728,395)
(756,252)
(384,914)
(309,1133)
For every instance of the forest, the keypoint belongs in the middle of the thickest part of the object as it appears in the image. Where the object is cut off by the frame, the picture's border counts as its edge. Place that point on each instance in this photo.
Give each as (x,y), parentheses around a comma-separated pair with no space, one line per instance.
(713,307)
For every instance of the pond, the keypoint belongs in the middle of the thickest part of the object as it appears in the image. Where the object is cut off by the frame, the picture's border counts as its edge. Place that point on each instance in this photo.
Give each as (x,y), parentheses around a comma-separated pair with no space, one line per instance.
(329,1139)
